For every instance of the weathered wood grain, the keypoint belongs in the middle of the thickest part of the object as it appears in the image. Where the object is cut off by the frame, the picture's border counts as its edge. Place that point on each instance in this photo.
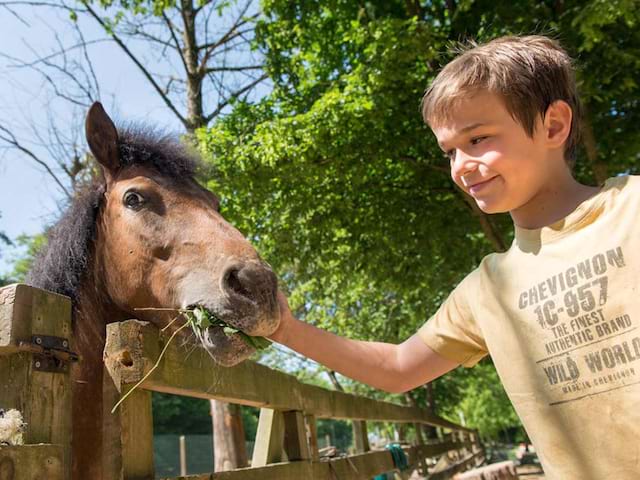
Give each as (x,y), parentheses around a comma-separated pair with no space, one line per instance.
(355,467)
(195,375)
(295,436)
(32,462)
(128,432)
(44,398)
(269,443)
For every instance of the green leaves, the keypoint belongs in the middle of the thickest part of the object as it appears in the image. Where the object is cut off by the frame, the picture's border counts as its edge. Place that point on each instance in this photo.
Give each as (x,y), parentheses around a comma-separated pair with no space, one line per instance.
(200,319)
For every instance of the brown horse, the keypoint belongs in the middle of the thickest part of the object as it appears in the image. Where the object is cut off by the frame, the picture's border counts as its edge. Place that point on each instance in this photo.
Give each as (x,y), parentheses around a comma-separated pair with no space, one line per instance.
(146,234)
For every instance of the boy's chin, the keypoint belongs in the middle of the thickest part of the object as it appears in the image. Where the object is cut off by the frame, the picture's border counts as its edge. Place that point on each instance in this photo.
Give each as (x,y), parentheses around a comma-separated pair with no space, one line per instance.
(490,207)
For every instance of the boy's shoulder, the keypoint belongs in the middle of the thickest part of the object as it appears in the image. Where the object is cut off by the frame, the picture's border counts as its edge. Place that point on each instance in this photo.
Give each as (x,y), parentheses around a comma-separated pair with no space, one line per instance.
(622,182)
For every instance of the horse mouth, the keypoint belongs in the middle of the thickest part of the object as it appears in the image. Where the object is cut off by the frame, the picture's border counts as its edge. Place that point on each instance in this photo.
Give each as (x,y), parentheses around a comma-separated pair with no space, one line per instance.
(223,337)
(226,350)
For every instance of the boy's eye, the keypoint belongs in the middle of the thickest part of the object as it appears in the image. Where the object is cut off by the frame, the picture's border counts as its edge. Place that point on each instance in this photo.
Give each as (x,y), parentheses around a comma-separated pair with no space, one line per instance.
(449,154)
(477,140)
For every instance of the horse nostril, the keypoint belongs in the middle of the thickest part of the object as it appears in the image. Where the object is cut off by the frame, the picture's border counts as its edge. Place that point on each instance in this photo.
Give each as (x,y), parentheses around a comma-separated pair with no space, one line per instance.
(234,283)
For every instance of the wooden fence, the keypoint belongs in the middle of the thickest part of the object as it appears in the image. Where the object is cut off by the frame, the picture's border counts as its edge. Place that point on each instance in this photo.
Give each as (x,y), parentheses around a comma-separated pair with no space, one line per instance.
(35,337)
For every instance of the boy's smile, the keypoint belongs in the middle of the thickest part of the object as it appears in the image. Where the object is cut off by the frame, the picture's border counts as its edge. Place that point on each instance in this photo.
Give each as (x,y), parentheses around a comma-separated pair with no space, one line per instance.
(505,170)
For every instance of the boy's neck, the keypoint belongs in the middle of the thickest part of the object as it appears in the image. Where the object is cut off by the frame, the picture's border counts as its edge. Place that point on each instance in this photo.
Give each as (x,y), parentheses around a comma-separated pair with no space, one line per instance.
(560,196)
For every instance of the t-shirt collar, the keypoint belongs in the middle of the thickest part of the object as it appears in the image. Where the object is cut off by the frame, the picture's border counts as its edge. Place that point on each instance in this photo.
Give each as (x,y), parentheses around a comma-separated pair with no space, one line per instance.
(587,212)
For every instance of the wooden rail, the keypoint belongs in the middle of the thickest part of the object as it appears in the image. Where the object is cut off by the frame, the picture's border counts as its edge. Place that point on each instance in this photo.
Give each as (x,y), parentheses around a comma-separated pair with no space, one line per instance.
(285,446)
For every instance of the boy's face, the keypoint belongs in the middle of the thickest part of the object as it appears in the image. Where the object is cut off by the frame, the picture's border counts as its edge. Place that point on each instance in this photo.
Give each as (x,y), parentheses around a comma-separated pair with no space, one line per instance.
(492,158)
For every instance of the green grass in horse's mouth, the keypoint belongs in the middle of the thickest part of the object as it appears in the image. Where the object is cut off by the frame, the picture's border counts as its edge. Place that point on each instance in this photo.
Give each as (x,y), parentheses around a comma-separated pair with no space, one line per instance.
(200,319)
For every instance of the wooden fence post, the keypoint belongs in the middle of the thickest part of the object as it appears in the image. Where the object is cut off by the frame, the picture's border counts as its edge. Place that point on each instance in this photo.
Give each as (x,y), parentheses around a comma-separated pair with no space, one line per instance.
(312,437)
(295,436)
(420,442)
(34,316)
(361,439)
(183,456)
(128,432)
(268,447)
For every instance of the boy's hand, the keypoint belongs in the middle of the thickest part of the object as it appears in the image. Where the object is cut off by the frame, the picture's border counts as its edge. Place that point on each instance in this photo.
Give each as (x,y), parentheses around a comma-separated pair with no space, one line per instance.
(286,318)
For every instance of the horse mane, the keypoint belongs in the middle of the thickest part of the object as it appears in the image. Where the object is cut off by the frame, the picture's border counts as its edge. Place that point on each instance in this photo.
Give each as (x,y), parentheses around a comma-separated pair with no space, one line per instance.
(62,264)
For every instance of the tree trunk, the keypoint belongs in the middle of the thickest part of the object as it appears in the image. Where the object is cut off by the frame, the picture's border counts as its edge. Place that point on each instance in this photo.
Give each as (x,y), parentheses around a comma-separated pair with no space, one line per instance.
(195,115)
(229,448)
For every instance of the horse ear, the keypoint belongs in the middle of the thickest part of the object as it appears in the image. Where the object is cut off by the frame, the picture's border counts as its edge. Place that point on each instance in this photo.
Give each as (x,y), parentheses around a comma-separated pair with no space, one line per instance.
(102,138)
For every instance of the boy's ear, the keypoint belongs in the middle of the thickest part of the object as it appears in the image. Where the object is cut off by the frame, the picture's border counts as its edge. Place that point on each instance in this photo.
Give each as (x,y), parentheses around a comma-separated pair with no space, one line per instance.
(557,123)
(102,138)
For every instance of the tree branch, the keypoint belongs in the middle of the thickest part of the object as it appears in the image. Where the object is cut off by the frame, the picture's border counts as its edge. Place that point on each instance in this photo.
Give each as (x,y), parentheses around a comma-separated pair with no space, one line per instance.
(228,36)
(175,40)
(233,95)
(233,69)
(10,138)
(141,67)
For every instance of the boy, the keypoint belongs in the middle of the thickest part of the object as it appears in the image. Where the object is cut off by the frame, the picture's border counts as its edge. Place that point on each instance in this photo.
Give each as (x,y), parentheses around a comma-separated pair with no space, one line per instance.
(556,312)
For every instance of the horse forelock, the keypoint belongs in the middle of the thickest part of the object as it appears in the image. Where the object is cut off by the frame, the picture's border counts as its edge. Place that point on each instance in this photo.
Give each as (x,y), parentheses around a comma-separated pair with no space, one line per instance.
(163,152)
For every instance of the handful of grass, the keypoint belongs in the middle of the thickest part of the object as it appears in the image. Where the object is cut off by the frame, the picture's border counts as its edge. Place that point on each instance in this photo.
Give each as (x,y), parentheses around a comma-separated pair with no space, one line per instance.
(199,319)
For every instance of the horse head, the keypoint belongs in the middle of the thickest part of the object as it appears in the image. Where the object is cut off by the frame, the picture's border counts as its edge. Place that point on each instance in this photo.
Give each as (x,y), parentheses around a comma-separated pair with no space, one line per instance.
(161,242)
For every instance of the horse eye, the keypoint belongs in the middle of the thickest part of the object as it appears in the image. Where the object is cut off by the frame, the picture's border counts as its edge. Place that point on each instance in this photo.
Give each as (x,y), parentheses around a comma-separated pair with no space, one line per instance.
(133,200)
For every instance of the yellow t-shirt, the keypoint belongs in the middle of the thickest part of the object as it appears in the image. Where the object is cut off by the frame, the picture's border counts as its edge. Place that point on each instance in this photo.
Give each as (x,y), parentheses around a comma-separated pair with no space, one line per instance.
(559,313)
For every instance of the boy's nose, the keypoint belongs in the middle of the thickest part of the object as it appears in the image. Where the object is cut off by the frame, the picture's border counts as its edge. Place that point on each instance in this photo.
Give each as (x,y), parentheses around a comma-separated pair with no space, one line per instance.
(461,164)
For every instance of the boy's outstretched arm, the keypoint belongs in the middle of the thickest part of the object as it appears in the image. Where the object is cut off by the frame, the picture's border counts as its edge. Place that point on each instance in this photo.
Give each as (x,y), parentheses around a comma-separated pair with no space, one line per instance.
(394,368)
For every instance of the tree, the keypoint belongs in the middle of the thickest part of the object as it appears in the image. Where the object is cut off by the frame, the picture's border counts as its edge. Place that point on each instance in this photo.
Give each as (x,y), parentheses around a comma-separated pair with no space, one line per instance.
(32,246)
(342,186)
(4,239)
(204,45)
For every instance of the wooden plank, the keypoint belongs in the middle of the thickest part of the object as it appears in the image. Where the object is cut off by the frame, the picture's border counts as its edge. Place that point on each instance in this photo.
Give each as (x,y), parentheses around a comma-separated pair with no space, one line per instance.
(43,398)
(128,432)
(137,436)
(460,466)
(312,436)
(295,436)
(420,442)
(32,462)
(268,447)
(128,439)
(27,311)
(503,470)
(111,429)
(249,383)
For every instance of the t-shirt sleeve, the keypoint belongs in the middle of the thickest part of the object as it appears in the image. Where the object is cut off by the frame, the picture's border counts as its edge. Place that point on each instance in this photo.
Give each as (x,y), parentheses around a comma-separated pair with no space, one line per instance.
(452,331)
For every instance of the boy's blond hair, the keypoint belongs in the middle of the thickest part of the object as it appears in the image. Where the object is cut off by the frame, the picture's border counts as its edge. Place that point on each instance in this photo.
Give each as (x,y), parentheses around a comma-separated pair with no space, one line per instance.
(528,73)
